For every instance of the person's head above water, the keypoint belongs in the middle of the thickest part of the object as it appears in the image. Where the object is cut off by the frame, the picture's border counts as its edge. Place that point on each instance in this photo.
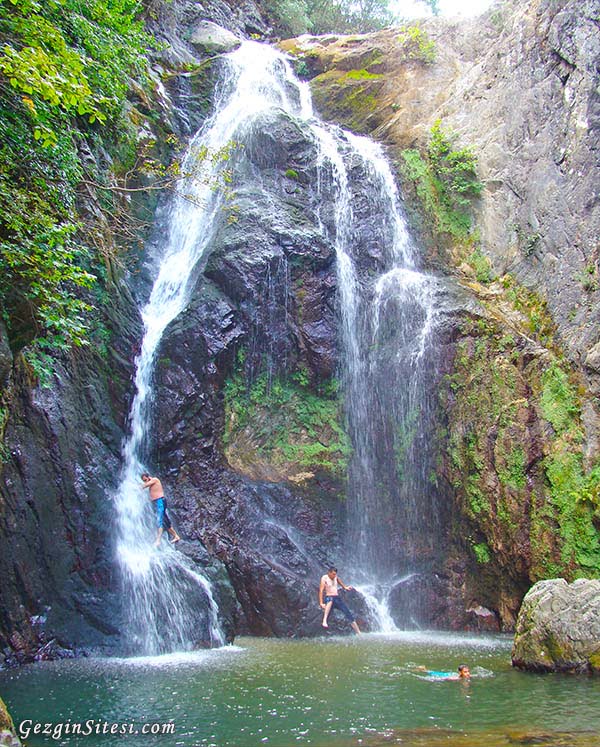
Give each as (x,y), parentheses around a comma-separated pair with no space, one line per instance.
(145,476)
(332,572)
(464,671)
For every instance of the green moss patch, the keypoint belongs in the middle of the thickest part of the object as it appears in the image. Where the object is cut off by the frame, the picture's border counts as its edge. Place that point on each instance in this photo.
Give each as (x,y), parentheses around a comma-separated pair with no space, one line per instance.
(482,553)
(284,425)
(515,448)
(350,98)
(559,400)
(362,75)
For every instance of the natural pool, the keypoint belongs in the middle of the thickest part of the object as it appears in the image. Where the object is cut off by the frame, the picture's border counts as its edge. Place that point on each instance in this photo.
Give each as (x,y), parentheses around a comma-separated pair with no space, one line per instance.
(326,692)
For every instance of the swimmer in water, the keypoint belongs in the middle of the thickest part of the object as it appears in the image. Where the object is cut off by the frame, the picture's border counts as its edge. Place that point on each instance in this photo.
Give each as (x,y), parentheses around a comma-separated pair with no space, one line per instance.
(463,673)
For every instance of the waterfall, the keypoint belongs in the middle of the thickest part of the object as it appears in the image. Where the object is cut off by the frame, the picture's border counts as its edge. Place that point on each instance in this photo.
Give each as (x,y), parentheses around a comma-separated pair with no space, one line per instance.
(391,512)
(387,327)
(387,322)
(162,591)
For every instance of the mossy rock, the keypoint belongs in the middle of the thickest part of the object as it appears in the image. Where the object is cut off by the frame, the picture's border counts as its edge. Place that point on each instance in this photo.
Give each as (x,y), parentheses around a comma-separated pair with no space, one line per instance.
(349,97)
(8,737)
(594,660)
(558,629)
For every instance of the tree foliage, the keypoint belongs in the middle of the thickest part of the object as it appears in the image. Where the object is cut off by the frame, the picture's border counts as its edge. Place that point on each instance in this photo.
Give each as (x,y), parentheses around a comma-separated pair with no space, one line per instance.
(295,17)
(65,69)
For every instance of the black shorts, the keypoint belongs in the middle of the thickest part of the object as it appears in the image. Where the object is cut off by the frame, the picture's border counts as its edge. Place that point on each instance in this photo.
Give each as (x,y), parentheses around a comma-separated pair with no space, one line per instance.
(339,604)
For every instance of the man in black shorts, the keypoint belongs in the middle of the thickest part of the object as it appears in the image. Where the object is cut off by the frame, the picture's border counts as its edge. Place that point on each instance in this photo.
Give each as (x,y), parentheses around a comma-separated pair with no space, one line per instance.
(329,598)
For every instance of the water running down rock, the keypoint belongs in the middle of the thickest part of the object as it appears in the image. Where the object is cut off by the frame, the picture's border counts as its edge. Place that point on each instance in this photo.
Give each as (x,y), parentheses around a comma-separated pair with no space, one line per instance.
(387,320)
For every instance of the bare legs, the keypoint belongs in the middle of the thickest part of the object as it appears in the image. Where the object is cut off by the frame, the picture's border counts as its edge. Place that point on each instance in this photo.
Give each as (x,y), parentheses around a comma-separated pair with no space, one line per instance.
(326,612)
(174,535)
(171,531)
(327,609)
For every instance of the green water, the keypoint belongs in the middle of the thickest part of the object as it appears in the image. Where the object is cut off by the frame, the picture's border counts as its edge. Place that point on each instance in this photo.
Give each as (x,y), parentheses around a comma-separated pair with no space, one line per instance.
(327,692)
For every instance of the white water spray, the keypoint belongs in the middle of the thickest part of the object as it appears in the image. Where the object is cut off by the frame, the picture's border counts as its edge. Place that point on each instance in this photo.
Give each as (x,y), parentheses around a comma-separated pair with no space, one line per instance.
(162,590)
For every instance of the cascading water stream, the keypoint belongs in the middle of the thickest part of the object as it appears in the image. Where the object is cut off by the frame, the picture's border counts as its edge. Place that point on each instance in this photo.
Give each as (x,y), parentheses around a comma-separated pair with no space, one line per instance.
(162,590)
(384,394)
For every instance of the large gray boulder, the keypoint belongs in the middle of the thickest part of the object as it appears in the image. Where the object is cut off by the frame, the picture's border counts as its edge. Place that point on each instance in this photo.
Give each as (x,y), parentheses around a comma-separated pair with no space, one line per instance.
(558,628)
(210,38)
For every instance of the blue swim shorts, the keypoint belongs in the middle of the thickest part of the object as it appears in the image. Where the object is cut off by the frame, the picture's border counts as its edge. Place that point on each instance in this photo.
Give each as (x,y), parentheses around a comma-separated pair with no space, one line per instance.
(162,517)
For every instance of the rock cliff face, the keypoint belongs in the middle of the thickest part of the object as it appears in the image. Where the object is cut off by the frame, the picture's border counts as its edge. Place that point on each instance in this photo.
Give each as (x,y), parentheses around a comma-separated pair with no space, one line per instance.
(519,85)
(248,432)
(518,88)
(60,457)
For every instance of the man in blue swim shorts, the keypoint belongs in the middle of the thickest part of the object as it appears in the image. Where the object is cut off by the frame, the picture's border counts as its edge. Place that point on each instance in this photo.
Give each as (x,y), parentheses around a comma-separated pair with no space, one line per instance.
(329,598)
(157,496)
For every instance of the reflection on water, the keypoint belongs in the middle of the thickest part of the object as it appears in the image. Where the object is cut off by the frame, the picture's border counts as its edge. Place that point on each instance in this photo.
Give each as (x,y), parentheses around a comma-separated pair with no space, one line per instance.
(327,692)
(445,738)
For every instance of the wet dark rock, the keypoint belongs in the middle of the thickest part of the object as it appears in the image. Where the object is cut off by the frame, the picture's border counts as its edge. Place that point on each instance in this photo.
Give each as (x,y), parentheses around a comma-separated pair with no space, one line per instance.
(273,260)
(273,542)
(63,456)
(482,620)
(420,599)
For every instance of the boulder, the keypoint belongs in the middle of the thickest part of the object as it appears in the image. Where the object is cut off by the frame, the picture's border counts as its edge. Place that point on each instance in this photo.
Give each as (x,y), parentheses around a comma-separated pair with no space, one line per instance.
(558,628)
(209,38)
(8,737)
(592,359)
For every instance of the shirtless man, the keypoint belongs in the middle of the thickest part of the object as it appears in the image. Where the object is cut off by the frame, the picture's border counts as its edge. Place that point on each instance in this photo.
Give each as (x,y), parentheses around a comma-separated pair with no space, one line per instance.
(329,598)
(157,495)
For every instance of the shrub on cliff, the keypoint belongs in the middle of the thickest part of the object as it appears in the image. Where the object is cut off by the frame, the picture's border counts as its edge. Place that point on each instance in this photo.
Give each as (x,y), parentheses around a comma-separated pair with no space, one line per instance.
(65,70)
(445,180)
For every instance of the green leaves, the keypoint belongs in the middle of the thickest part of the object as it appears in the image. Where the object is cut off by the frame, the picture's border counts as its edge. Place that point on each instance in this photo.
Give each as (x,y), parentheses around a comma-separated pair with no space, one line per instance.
(295,17)
(416,43)
(41,271)
(445,181)
(455,169)
(65,69)
(75,56)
